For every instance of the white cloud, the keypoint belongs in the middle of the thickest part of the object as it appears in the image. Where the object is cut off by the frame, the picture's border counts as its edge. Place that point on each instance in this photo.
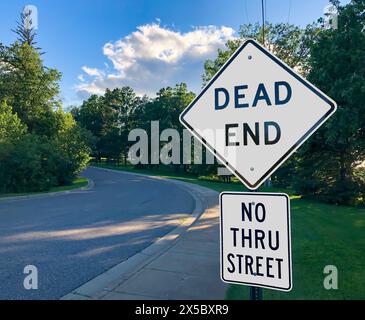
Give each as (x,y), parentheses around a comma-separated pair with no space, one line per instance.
(92,72)
(153,57)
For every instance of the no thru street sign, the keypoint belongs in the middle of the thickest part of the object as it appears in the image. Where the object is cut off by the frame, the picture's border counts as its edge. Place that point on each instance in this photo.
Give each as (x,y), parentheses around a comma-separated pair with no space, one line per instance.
(256,240)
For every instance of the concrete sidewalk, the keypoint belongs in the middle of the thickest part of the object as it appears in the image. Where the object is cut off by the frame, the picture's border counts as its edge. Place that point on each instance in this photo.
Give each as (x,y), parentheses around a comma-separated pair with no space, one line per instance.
(183,265)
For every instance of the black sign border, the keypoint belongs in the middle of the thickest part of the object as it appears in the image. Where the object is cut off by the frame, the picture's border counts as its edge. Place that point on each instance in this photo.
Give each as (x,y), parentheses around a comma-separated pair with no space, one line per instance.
(288,230)
(293,148)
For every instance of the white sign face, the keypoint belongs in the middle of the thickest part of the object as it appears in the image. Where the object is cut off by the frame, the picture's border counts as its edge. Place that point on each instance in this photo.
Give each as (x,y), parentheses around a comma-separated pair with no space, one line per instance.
(255,240)
(255,113)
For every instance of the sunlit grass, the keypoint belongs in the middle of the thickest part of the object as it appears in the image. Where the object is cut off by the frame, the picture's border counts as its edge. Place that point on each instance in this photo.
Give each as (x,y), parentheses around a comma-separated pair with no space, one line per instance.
(322,235)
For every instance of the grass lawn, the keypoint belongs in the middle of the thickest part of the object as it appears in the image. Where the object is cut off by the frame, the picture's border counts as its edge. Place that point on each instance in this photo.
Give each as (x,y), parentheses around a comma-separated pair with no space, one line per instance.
(76,184)
(322,234)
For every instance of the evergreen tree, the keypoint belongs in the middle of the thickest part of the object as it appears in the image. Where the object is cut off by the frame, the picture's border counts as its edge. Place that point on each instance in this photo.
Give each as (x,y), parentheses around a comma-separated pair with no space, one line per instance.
(25,30)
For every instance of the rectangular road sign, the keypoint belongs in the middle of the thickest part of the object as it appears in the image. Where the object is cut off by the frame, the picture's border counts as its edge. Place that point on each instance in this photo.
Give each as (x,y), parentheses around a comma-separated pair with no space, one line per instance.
(255,113)
(256,239)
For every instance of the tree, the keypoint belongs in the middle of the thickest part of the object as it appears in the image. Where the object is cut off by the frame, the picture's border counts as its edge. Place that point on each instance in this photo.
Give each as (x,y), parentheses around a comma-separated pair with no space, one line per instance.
(11,131)
(11,128)
(73,144)
(25,31)
(110,118)
(24,165)
(328,161)
(123,101)
(165,109)
(40,145)
(93,116)
(98,118)
(30,88)
(288,42)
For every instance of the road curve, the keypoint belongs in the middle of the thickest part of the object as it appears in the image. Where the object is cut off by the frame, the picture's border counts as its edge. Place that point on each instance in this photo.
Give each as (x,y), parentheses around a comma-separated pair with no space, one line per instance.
(72,238)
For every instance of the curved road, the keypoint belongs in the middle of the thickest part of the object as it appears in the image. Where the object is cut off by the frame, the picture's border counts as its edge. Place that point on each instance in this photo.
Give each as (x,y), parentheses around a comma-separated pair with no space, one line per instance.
(73,238)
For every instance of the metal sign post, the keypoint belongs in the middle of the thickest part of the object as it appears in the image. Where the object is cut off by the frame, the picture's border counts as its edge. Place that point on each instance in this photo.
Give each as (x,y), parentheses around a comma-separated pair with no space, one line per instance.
(256,292)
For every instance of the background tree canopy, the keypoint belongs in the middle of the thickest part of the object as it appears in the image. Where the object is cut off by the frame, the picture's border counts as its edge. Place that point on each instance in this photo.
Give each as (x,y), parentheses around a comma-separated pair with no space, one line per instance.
(42,146)
(328,165)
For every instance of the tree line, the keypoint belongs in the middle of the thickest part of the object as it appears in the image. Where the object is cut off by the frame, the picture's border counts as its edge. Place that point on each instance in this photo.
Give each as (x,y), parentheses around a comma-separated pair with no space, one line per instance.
(327,166)
(41,145)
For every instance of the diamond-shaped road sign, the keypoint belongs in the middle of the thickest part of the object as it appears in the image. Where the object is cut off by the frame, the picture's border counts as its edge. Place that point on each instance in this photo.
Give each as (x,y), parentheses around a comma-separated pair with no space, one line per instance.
(255,113)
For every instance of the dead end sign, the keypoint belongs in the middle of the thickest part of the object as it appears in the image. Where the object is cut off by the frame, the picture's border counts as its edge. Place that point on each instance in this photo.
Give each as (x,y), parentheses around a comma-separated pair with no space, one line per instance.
(255,113)
(256,239)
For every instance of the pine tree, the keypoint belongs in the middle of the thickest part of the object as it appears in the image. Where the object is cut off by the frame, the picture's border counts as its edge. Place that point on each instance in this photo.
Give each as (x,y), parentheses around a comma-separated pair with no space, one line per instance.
(25,30)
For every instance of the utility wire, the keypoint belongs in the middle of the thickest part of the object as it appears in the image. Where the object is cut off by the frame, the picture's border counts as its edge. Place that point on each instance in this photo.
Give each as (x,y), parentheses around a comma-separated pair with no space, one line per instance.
(246,11)
(289,12)
(263,21)
(265,12)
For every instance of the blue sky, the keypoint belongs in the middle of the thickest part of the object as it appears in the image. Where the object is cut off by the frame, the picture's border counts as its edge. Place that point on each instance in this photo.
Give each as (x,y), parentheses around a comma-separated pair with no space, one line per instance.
(143,43)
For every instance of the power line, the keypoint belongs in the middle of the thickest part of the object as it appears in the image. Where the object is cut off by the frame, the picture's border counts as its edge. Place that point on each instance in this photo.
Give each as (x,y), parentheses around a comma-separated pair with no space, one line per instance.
(246,10)
(265,11)
(263,21)
(289,12)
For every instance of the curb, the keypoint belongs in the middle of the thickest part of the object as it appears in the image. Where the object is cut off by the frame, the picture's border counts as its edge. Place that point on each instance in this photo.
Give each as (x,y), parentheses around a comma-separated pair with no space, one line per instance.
(90,185)
(108,280)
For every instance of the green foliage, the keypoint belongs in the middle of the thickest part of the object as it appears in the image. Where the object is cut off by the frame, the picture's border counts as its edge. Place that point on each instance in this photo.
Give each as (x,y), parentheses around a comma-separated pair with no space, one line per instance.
(211,67)
(326,167)
(327,164)
(40,145)
(284,176)
(73,144)
(26,33)
(34,164)
(122,101)
(11,128)
(24,165)
(322,234)
(165,108)
(30,163)
(109,119)
(29,87)
(289,42)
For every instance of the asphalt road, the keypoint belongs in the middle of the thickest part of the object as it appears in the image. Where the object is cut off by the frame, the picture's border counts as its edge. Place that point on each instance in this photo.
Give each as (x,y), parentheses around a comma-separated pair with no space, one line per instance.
(73,238)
